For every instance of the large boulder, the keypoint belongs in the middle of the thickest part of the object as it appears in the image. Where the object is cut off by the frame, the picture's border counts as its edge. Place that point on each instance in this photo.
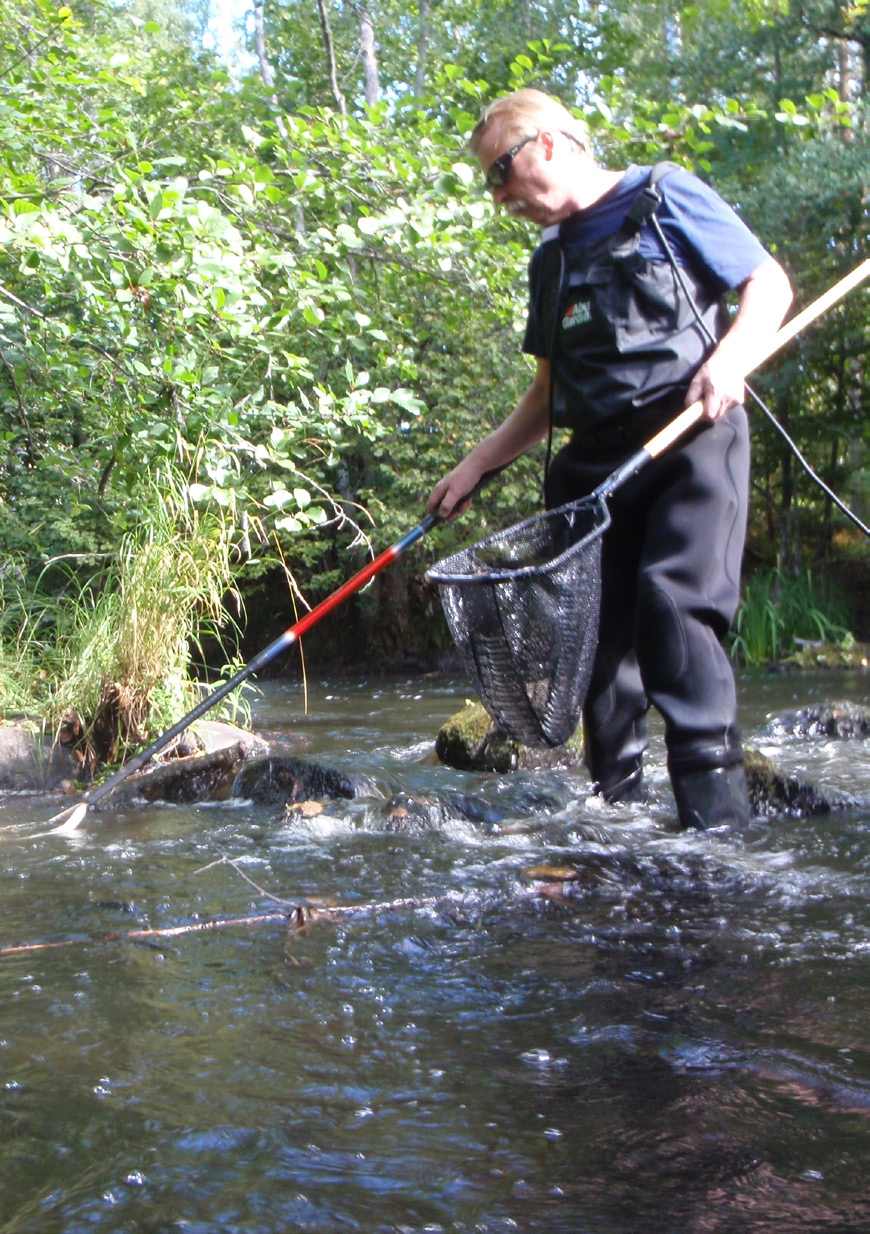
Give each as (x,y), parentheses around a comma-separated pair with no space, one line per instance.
(31,761)
(207,773)
(181,781)
(200,766)
(471,741)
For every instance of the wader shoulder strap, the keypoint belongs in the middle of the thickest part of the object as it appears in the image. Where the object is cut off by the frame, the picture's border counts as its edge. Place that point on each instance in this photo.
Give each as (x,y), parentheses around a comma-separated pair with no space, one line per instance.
(551,258)
(552,270)
(645,203)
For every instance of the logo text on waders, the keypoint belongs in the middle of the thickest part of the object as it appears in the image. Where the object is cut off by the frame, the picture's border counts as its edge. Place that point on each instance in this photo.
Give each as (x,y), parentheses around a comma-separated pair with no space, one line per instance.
(577,315)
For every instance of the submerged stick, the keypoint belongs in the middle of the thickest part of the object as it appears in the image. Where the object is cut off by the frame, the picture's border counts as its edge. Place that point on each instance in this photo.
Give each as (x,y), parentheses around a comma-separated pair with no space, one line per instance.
(296,918)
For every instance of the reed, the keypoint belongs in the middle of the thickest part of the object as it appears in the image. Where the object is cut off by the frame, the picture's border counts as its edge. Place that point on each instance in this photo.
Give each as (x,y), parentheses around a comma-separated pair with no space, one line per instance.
(108,660)
(778,611)
(24,679)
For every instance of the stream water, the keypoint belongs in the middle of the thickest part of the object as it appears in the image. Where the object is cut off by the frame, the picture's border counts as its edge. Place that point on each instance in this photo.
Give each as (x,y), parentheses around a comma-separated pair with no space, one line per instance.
(678,1040)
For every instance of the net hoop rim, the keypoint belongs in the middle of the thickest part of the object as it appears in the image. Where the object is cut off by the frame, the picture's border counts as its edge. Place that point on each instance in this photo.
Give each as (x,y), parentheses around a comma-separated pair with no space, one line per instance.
(602,517)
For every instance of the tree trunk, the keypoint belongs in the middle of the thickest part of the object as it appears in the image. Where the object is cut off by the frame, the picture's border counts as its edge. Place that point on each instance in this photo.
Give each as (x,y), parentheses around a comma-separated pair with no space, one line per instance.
(329,48)
(266,72)
(422,47)
(369,55)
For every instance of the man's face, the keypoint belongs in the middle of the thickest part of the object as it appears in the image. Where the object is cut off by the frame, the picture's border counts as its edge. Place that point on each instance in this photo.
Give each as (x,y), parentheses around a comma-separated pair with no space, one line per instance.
(535,186)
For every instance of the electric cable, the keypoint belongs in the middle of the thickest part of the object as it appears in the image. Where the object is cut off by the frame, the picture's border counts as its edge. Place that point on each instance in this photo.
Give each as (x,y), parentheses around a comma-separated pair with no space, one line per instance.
(829,492)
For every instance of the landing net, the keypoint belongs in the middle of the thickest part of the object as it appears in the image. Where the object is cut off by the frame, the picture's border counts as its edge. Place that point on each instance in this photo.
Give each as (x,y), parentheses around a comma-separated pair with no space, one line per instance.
(522,607)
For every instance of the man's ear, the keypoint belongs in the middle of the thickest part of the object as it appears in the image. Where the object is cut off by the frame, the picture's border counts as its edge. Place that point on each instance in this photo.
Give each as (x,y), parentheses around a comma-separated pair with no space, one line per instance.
(545,137)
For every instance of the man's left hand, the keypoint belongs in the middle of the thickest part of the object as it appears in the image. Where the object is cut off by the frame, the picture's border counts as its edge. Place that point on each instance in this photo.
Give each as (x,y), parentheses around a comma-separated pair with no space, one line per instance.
(718,385)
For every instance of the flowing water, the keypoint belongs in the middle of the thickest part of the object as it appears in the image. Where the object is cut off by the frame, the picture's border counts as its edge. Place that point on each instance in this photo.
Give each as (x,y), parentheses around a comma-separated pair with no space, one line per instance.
(678,1039)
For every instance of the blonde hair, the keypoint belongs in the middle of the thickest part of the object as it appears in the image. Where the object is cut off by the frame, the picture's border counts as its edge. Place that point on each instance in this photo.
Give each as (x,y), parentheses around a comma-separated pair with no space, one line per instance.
(527,111)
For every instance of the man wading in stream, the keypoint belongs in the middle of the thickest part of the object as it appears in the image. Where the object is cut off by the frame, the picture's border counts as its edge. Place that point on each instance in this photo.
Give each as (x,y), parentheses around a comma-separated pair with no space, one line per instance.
(613,327)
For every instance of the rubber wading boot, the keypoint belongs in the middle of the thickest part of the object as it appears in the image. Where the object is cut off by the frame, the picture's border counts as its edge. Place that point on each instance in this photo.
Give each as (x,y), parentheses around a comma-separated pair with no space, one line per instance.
(717,797)
(629,788)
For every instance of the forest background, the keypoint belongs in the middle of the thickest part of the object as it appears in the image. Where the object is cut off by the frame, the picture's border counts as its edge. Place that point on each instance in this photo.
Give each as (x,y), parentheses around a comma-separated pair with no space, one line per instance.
(250,312)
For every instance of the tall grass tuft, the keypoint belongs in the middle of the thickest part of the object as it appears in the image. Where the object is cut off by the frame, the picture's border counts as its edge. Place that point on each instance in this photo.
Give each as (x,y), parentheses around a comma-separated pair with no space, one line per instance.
(25,676)
(126,644)
(113,652)
(778,611)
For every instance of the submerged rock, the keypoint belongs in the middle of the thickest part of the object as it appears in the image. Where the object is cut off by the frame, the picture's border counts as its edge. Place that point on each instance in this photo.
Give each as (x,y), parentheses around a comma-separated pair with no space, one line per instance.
(183,781)
(279,779)
(217,751)
(404,814)
(192,769)
(825,720)
(472,741)
(773,791)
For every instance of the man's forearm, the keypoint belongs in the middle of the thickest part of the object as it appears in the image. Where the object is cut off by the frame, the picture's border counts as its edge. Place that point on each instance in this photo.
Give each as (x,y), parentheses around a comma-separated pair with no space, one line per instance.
(763,303)
(526,425)
(764,299)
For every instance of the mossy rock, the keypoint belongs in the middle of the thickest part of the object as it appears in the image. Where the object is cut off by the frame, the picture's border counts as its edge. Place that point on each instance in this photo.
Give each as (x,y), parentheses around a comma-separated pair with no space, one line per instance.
(773,791)
(472,741)
(850,655)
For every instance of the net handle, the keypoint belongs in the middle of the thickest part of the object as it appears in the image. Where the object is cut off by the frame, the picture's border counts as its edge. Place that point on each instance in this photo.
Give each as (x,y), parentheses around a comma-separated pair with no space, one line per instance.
(672,432)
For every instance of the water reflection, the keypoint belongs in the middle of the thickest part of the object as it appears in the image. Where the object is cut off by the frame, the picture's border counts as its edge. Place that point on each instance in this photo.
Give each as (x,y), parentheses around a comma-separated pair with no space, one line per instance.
(674,1040)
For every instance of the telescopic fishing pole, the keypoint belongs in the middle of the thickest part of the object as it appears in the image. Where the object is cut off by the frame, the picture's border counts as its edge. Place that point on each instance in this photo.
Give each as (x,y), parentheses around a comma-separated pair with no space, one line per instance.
(70,818)
(73,816)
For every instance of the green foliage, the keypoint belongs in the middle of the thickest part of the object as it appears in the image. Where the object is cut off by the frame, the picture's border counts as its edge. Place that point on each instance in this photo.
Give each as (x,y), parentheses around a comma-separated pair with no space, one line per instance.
(24,679)
(312,317)
(132,624)
(778,612)
(113,651)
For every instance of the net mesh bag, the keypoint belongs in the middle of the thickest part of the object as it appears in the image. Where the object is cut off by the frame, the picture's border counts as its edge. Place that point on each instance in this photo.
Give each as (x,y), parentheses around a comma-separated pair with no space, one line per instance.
(522,607)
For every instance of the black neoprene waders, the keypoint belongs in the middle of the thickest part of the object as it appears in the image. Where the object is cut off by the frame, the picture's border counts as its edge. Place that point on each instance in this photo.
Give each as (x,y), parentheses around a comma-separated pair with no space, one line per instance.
(625,328)
(670,589)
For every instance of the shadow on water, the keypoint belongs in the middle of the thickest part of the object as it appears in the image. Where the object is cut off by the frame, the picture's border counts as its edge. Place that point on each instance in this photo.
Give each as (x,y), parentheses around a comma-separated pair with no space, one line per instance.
(674,1039)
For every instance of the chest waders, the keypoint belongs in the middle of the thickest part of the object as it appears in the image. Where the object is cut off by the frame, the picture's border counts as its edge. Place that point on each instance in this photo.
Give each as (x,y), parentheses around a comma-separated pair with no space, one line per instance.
(625,339)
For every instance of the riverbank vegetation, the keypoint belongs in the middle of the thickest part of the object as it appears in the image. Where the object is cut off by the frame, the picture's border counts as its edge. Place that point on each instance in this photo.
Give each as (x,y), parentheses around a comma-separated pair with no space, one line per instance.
(280,283)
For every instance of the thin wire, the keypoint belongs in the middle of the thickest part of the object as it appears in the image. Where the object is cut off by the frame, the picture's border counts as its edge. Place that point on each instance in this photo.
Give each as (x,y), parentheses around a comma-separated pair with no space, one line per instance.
(806,466)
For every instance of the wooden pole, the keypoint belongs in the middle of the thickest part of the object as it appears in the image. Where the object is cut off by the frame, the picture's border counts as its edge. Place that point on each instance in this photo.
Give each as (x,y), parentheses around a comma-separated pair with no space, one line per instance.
(684,421)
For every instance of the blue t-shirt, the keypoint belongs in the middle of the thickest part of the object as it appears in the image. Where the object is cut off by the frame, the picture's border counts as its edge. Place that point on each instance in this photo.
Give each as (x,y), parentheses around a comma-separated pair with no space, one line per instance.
(704,232)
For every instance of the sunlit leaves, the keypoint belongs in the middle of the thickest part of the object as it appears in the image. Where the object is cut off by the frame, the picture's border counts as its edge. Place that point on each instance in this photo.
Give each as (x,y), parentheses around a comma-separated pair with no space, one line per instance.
(337,312)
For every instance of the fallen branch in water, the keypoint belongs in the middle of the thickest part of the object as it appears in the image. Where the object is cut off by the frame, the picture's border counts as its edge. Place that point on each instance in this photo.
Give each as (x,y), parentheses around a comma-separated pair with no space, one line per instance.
(296,919)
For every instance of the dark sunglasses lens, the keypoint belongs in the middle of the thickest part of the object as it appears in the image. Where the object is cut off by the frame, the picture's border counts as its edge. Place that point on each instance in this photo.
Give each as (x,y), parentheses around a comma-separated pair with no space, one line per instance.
(498,172)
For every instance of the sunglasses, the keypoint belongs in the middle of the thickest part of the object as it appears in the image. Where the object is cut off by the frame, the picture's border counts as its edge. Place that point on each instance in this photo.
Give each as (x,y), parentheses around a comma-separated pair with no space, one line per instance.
(499,171)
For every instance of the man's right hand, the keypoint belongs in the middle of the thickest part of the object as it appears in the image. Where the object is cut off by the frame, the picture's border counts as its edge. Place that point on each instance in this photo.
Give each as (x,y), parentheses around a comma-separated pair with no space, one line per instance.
(451,496)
